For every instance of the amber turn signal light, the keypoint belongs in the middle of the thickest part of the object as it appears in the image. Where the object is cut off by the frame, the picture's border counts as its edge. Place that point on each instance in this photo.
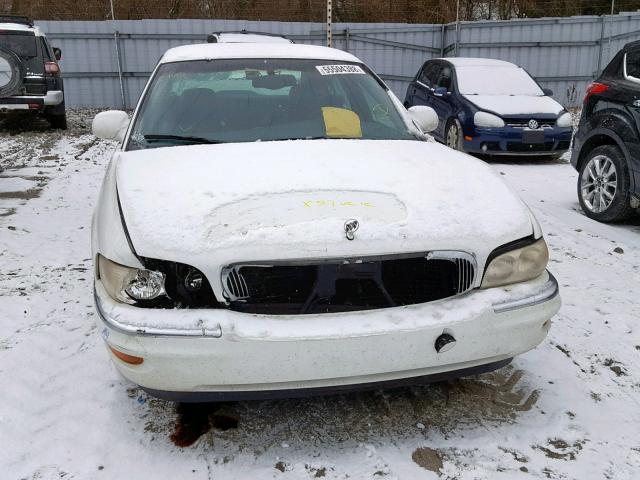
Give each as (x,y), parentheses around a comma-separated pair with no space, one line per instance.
(126,358)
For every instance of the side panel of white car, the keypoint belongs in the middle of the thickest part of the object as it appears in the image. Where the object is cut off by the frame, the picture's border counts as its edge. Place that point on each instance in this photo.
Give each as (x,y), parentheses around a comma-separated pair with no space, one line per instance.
(107,233)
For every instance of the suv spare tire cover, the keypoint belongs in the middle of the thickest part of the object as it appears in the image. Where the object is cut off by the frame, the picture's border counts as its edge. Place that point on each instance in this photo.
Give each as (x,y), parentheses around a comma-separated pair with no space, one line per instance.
(11,73)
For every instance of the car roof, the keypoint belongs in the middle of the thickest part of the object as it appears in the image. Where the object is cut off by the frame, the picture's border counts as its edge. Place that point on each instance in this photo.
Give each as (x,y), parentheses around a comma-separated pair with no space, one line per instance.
(20,27)
(248,37)
(477,62)
(211,51)
(632,45)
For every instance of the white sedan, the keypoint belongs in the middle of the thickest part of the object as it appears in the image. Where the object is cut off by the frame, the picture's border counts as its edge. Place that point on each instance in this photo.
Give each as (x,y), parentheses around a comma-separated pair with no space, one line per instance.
(275,223)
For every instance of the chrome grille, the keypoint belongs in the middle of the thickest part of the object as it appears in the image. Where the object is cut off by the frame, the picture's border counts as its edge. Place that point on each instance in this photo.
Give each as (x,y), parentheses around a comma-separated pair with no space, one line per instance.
(347,284)
(466,274)
(236,285)
(547,123)
(465,264)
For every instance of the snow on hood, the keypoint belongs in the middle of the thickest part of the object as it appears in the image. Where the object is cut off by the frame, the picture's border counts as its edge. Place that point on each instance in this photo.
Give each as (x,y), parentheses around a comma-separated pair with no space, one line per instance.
(211,205)
(516,104)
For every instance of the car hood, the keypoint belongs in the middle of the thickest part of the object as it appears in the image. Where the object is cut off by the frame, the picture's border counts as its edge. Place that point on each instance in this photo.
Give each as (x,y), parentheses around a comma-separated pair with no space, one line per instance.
(516,104)
(212,205)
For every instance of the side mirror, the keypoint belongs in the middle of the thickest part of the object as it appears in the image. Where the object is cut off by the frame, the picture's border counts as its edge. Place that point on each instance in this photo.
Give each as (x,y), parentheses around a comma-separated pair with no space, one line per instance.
(548,92)
(440,91)
(57,53)
(110,125)
(425,117)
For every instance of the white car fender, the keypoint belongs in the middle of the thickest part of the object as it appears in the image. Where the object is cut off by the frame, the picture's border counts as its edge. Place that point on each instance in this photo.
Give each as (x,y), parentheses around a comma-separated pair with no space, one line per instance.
(110,239)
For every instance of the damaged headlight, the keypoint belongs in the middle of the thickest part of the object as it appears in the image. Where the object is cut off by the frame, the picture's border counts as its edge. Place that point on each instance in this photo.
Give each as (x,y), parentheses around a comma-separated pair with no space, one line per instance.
(130,285)
(517,265)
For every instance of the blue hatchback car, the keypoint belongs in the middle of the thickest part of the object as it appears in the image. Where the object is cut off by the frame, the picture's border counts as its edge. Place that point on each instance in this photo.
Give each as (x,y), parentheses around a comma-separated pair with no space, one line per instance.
(490,107)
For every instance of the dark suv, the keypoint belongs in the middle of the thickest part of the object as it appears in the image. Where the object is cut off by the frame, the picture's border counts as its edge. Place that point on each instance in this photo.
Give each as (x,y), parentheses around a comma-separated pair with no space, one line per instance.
(29,72)
(606,147)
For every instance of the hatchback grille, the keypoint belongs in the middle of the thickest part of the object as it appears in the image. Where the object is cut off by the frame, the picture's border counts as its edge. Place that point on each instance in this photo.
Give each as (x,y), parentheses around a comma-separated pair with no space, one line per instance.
(347,285)
(524,123)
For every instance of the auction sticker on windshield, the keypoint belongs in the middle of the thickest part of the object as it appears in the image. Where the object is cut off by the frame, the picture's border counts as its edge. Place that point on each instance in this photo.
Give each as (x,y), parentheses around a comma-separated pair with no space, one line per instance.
(338,69)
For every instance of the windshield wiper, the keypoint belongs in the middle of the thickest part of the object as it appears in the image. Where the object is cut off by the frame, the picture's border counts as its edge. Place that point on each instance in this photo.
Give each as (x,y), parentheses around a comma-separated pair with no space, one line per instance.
(321,137)
(295,138)
(180,138)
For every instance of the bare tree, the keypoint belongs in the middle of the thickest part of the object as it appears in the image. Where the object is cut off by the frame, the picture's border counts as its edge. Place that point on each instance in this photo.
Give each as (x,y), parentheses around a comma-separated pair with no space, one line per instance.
(401,11)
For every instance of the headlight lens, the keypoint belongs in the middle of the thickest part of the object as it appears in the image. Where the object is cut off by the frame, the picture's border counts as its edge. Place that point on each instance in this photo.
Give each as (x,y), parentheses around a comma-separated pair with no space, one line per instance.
(484,119)
(518,265)
(130,285)
(564,120)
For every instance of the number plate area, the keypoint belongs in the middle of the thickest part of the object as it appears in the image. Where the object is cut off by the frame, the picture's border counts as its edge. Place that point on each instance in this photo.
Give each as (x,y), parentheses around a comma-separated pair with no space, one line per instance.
(533,136)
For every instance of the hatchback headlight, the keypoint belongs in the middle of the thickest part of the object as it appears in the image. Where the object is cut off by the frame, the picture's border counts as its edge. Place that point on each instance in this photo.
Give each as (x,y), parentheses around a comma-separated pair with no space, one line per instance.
(518,265)
(130,285)
(564,120)
(484,119)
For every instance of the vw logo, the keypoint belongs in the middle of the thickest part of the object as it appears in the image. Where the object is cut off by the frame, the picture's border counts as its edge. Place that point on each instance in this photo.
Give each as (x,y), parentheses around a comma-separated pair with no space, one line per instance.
(533,125)
(350,227)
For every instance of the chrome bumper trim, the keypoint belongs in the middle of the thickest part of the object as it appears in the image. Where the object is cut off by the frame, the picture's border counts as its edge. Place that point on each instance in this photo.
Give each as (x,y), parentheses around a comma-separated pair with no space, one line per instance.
(153,332)
(54,97)
(547,292)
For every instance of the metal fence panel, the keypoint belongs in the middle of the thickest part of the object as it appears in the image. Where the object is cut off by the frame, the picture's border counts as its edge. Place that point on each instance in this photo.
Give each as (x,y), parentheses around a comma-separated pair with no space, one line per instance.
(564,54)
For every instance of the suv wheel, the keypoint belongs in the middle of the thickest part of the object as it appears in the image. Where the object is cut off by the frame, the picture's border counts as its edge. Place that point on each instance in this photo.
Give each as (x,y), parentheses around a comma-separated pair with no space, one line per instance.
(11,73)
(453,134)
(603,185)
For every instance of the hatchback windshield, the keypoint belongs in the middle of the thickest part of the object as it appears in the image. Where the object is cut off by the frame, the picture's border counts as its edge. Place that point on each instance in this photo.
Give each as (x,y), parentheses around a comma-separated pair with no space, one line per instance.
(246,100)
(492,80)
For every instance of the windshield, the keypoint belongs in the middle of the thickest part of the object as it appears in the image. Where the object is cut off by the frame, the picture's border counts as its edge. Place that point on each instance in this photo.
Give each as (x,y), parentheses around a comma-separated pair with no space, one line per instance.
(20,43)
(247,100)
(493,80)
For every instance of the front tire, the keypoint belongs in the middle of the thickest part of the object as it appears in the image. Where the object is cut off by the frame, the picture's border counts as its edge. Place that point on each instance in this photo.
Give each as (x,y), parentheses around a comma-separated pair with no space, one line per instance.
(604,185)
(453,134)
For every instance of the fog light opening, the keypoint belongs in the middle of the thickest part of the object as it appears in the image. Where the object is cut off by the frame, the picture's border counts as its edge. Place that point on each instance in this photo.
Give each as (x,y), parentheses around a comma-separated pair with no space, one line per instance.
(126,358)
(445,342)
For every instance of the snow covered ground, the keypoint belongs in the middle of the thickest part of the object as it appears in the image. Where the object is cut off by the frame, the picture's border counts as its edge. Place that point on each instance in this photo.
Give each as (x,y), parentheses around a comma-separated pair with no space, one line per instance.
(569,409)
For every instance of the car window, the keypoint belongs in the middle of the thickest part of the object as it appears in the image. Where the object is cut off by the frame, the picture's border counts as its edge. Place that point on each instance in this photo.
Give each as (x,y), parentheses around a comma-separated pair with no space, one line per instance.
(46,50)
(423,77)
(433,73)
(632,64)
(22,44)
(245,100)
(444,78)
(229,81)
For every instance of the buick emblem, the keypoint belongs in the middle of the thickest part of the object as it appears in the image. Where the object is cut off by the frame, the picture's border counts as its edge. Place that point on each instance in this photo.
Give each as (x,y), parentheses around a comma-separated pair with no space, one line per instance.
(533,125)
(350,227)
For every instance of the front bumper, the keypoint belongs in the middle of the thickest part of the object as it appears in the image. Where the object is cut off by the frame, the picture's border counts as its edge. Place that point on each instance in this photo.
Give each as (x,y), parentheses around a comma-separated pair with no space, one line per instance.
(509,141)
(215,354)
